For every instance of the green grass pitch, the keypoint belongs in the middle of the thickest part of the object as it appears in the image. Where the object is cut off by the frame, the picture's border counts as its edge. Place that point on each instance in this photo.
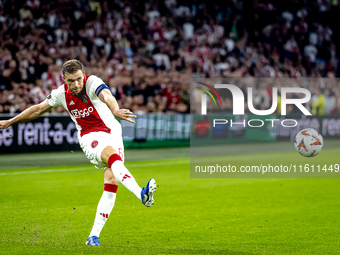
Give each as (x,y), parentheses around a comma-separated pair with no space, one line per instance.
(50,210)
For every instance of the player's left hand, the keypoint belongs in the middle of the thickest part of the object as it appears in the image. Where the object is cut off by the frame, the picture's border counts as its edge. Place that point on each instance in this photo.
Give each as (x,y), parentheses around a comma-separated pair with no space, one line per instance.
(124,114)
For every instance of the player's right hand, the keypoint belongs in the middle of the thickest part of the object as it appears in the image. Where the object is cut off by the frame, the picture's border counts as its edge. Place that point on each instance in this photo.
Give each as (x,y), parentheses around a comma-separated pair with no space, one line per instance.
(4,124)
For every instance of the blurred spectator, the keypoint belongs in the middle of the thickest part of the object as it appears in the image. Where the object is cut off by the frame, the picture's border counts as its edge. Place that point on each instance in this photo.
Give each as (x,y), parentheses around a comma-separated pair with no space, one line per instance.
(162,60)
(39,93)
(318,103)
(188,29)
(310,51)
(147,52)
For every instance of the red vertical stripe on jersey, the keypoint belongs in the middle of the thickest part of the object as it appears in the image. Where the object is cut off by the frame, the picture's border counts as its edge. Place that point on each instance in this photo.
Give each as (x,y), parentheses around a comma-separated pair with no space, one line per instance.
(86,115)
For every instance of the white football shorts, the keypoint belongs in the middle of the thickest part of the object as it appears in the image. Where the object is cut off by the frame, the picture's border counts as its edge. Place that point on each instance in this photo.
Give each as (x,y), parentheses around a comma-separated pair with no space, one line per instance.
(94,143)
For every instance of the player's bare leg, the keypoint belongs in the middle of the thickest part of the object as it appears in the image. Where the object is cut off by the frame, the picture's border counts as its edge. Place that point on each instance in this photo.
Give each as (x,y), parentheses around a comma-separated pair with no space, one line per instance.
(123,175)
(105,205)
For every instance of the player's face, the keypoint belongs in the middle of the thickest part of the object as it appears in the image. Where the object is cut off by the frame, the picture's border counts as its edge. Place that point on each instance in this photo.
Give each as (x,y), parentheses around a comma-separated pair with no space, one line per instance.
(75,81)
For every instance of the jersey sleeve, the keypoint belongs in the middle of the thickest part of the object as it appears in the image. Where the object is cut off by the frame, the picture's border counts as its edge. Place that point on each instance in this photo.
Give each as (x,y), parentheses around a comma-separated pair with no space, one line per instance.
(95,85)
(53,99)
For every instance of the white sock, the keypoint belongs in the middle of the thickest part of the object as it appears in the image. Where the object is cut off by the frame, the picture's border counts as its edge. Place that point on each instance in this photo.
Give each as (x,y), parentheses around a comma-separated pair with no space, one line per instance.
(125,177)
(105,205)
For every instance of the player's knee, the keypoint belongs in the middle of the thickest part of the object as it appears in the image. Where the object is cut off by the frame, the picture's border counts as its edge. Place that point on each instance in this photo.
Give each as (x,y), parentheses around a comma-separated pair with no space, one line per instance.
(106,153)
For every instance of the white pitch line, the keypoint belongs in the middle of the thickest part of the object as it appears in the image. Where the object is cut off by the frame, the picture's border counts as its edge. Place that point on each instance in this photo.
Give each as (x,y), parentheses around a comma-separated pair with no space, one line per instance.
(90,168)
(139,165)
(166,163)
(45,171)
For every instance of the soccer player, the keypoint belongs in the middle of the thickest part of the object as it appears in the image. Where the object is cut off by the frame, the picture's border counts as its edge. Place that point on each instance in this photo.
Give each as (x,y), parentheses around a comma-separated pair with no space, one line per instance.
(93,109)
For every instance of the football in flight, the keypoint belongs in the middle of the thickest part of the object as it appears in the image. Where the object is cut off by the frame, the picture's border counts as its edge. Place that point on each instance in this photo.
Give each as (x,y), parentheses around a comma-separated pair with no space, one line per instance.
(308,142)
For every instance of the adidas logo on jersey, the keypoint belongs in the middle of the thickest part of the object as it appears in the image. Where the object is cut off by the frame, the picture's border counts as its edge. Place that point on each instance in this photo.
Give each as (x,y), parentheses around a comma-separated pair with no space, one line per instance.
(72,103)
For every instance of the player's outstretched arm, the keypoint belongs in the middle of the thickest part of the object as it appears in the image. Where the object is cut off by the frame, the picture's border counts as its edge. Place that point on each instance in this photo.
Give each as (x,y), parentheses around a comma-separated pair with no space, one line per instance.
(29,114)
(122,114)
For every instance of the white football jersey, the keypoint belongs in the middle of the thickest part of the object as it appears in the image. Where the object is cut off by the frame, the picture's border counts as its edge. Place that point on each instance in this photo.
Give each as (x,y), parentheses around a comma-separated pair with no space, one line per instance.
(87,111)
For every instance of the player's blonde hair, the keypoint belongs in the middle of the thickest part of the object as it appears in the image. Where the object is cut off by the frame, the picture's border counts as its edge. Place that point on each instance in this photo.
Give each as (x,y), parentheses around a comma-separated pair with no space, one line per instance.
(72,66)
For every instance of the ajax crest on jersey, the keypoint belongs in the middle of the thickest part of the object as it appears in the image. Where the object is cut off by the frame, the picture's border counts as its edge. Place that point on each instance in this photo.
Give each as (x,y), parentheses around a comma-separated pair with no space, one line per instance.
(308,142)
(94,144)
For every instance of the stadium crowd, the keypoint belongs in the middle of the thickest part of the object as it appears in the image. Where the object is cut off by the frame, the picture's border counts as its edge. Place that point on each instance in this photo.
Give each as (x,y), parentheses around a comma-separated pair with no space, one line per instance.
(147,51)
